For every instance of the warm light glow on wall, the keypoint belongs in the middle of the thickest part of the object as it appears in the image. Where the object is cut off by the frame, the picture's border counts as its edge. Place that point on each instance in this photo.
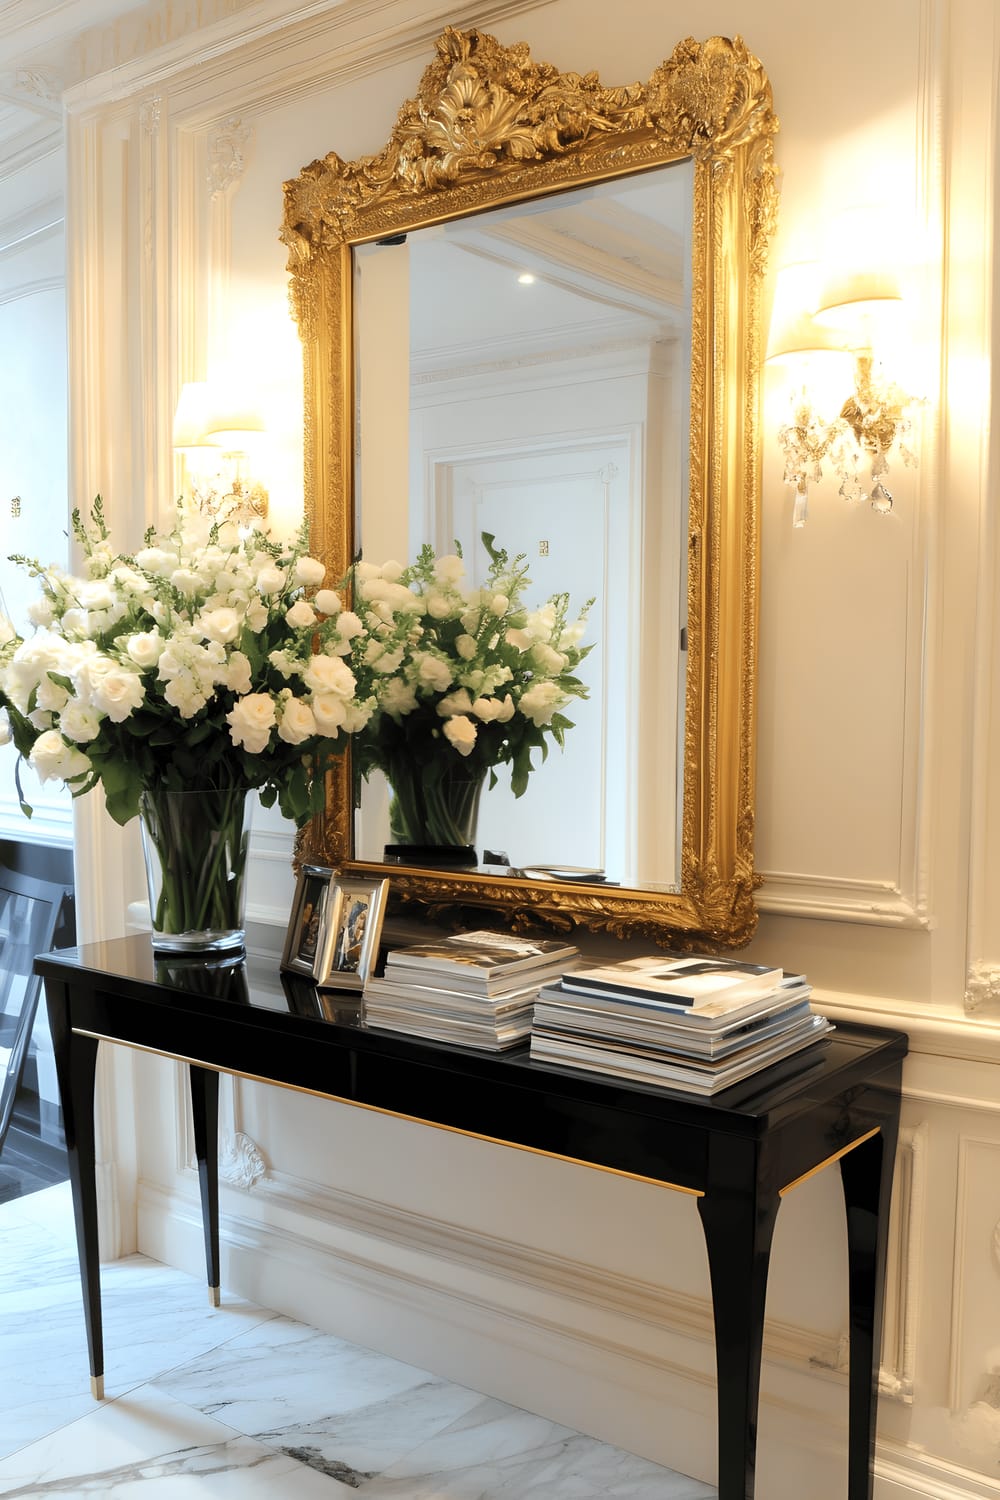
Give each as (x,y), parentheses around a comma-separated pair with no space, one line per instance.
(217,426)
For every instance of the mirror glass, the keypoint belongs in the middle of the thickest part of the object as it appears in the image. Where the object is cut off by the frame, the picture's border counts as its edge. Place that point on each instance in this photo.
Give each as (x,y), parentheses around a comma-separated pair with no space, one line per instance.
(525,372)
(602,419)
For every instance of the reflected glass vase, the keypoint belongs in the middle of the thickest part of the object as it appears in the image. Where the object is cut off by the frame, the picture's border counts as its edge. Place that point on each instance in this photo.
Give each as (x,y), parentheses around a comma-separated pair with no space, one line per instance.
(435,807)
(195,845)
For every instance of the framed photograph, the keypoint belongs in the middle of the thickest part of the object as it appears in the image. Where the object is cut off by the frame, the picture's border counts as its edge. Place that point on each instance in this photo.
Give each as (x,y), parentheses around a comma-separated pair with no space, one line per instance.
(308,933)
(355,918)
(334,931)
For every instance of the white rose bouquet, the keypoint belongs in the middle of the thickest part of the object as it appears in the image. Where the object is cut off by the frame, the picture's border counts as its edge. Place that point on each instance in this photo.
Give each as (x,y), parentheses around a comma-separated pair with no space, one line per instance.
(462,680)
(209,659)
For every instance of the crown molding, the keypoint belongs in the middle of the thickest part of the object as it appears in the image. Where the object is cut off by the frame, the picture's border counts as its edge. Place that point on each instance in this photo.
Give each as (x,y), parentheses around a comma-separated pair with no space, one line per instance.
(337,30)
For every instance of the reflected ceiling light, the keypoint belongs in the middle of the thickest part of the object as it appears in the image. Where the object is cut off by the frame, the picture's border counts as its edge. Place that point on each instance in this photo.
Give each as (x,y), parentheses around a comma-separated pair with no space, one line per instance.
(527,278)
(852,315)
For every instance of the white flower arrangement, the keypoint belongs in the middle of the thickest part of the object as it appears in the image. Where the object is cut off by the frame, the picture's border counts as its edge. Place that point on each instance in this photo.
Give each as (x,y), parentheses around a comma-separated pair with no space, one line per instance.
(211,659)
(214,659)
(461,678)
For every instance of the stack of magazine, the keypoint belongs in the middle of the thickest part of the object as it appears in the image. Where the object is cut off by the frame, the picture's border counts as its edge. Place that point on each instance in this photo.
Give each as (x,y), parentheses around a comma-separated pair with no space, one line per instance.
(695,1024)
(475,988)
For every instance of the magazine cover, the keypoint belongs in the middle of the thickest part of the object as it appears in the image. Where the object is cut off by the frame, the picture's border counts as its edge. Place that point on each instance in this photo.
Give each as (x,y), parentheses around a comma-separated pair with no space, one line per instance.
(682,981)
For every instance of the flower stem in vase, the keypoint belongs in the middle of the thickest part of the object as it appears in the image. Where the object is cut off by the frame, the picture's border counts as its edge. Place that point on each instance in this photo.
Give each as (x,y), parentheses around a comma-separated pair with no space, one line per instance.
(436,804)
(195,845)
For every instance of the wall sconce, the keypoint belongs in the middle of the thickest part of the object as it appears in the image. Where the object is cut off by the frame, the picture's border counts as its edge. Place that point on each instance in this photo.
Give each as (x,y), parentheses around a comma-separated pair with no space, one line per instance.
(850,318)
(215,433)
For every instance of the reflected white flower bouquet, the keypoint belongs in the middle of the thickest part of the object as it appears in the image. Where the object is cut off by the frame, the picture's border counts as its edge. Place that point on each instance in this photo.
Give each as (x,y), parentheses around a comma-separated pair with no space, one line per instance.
(458,673)
(210,659)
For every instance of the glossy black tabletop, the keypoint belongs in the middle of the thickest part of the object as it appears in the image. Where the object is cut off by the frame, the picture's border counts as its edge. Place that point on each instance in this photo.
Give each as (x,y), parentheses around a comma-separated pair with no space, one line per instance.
(274,1008)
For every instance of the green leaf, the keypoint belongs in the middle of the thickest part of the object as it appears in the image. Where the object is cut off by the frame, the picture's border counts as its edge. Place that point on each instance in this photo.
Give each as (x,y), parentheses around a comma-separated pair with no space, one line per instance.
(122,789)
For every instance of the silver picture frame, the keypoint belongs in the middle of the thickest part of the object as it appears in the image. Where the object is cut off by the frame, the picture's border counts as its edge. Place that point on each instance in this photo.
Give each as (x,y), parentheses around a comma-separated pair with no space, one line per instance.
(335,927)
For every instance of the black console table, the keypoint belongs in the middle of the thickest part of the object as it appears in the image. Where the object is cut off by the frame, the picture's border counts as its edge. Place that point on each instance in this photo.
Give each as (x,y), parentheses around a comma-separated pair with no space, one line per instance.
(737,1154)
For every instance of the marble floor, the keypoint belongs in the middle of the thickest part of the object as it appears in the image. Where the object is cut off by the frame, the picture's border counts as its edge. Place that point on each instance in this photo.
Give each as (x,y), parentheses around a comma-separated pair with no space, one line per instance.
(238,1403)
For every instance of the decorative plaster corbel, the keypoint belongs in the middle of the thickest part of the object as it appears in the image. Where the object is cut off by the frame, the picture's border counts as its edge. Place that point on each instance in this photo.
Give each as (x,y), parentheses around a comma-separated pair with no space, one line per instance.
(982,991)
(228,150)
(241,1162)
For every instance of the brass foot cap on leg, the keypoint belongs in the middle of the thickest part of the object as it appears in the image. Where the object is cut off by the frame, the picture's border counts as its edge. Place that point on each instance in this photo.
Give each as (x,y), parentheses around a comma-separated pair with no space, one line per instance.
(213,1296)
(97,1387)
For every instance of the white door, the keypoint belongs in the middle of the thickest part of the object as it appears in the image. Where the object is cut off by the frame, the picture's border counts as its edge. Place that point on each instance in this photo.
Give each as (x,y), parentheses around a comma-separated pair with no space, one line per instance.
(567,510)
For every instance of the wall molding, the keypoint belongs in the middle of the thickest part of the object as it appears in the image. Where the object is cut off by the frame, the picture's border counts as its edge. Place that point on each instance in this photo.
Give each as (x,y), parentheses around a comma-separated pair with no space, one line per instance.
(932,1029)
(904,1269)
(912,1474)
(833,898)
(968,1184)
(982,991)
(386,32)
(33,288)
(502,1317)
(976,150)
(30,147)
(39,222)
(498,1264)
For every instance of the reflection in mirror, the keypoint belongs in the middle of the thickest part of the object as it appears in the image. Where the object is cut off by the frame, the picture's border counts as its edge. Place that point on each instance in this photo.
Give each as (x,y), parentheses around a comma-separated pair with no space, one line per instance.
(604,419)
(538,357)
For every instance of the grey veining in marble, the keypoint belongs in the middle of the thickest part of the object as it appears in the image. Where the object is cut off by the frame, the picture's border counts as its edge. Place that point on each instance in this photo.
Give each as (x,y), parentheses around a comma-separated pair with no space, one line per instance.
(240,1404)
(174,1453)
(297,1389)
(496,1452)
(154,1317)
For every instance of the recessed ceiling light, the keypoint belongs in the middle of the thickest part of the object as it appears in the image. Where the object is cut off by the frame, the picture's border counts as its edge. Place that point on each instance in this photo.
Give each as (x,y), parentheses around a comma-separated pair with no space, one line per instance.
(526,278)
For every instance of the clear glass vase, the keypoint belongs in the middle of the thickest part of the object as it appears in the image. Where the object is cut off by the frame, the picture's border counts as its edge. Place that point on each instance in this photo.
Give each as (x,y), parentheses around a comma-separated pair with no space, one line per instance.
(434,806)
(195,845)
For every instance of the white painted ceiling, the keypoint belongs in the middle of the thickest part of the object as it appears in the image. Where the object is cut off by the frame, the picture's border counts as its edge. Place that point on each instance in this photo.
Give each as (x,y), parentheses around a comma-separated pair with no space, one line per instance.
(38,42)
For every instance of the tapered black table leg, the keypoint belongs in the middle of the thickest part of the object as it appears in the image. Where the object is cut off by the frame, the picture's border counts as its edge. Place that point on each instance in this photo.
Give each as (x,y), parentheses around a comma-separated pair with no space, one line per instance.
(866,1173)
(739,1226)
(205,1109)
(76,1064)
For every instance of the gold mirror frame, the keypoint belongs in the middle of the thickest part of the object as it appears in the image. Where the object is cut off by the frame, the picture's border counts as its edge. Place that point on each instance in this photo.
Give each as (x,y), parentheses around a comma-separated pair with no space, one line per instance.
(489,126)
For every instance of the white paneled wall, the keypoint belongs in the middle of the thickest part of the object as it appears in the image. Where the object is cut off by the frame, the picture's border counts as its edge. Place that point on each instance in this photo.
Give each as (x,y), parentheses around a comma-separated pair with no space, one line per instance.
(559,1288)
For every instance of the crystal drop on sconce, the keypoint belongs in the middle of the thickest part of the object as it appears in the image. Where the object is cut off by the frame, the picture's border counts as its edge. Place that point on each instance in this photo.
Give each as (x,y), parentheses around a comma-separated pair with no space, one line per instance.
(881,498)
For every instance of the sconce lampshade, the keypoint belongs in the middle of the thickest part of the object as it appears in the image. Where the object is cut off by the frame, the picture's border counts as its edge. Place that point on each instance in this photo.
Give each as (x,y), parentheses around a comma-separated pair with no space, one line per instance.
(232,419)
(210,417)
(860,305)
(191,416)
(801,334)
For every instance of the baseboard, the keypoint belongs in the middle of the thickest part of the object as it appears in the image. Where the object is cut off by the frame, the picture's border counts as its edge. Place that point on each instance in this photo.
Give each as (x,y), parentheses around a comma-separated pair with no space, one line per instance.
(913,1475)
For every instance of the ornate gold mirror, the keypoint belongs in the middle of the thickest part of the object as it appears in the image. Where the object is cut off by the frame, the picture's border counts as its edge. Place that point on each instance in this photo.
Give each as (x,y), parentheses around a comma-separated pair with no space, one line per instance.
(536,314)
